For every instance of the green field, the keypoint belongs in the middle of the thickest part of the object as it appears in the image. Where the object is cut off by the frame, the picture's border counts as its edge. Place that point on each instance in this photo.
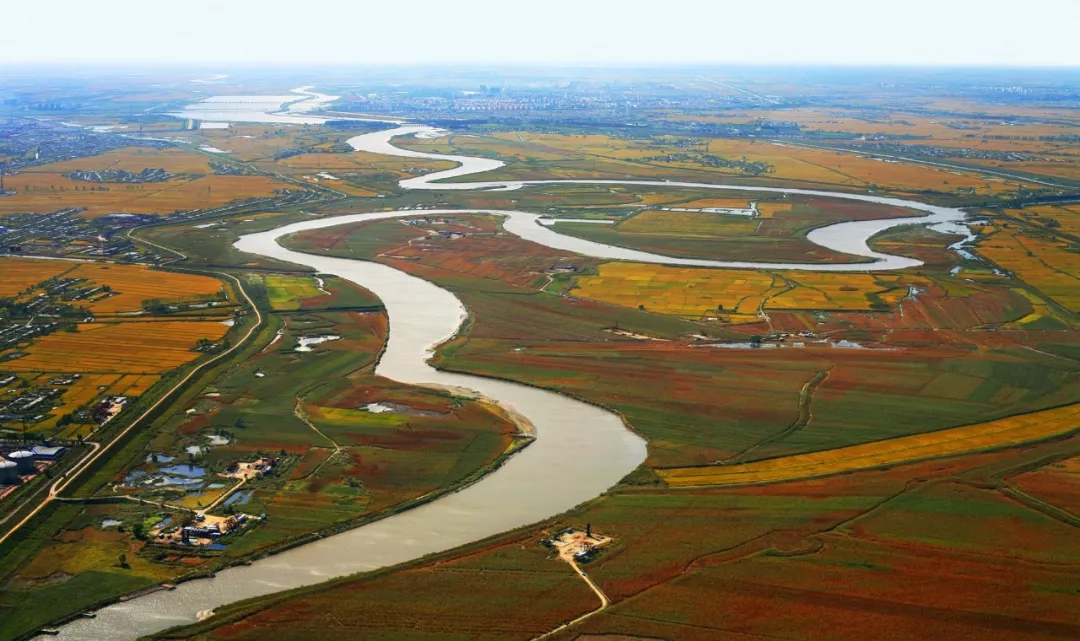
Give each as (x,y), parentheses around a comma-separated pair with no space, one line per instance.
(781,237)
(287,293)
(268,404)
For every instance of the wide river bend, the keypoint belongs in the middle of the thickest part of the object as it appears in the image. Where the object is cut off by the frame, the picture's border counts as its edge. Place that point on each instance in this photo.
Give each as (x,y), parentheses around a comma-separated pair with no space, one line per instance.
(580,452)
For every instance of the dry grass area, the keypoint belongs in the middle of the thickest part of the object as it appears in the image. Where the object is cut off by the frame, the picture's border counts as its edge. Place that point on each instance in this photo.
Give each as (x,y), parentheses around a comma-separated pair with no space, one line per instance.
(737,295)
(253,141)
(551,155)
(175,160)
(1005,432)
(348,172)
(788,162)
(982,131)
(816,165)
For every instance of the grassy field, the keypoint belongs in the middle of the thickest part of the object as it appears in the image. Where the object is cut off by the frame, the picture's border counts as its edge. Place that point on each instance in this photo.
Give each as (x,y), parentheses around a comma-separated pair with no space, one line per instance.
(961,440)
(288,292)
(292,293)
(654,370)
(337,464)
(793,560)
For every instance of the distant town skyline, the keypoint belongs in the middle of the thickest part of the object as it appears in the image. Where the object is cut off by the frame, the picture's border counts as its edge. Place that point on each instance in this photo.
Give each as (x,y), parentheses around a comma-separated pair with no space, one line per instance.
(581,32)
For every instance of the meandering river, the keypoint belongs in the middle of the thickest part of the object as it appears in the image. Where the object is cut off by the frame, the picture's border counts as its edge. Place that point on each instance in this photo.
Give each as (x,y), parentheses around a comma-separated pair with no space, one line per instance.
(580,452)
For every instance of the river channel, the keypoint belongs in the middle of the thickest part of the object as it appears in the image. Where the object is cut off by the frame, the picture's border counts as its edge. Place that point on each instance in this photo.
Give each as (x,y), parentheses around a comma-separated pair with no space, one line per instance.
(580,450)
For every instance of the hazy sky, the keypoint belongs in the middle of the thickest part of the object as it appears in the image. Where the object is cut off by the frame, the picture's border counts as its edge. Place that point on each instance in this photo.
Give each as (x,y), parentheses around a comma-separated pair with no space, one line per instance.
(602,32)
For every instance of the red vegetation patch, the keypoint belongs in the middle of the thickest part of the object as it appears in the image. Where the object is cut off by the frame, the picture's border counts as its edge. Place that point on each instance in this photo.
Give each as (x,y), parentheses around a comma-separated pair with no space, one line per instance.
(196,424)
(1057,484)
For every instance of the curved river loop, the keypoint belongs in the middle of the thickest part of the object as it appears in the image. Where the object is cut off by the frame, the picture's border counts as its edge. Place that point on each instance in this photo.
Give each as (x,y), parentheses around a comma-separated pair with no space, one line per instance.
(580,450)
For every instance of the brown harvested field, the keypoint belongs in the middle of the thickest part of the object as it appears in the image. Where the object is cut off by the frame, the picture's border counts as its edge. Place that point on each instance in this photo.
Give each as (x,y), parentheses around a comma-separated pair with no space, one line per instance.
(142,347)
(17,274)
(1005,432)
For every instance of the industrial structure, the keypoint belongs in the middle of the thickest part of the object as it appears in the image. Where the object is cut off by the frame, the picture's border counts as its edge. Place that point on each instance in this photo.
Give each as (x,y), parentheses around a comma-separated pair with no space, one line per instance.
(9,475)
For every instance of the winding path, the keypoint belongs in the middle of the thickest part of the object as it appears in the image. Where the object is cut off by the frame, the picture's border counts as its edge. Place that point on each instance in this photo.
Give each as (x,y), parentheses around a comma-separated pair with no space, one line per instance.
(581,451)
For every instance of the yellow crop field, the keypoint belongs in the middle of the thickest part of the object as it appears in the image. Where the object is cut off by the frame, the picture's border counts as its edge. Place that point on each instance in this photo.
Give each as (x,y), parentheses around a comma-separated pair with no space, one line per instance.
(737,295)
(146,348)
(134,384)
(16,274)
(722,203)
(769,210)
(175,160)
(681,291)
(48,192)
(82,394)
(1047,265)
(133,284)
(846,292)
(688,224)
(1006,432)
(76,396)
(1040,309)
(1066,217)
(286,292)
